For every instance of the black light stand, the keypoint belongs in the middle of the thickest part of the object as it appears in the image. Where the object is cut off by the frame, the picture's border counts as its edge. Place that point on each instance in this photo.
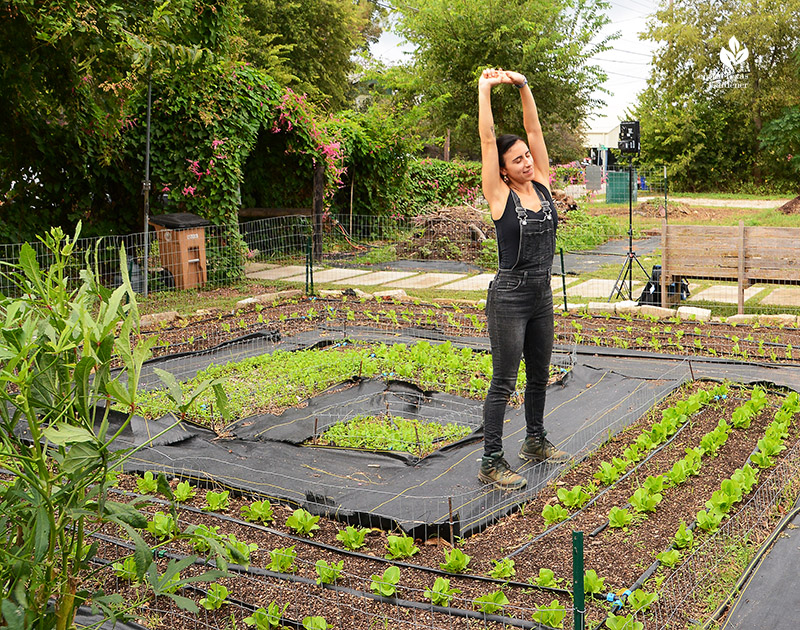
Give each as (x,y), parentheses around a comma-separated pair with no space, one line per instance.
(628,143)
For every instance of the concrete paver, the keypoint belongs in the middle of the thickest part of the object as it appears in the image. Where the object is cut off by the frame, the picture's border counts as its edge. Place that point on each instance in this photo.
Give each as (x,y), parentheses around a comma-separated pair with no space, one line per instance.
(727,294)
(279,273)
(427,280)
(783,296)
(473,283)
(374,277)
(329,275)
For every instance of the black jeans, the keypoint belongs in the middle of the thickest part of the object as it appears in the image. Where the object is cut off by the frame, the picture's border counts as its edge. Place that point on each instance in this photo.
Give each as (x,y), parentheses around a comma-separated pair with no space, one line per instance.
(519,310)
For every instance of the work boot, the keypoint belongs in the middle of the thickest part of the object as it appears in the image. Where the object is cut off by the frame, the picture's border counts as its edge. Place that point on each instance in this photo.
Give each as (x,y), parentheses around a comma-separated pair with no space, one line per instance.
(538,448)
(495,470)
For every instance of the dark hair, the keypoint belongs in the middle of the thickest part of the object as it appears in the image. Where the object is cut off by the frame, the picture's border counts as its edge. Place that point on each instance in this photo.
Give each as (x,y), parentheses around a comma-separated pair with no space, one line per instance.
(504,143)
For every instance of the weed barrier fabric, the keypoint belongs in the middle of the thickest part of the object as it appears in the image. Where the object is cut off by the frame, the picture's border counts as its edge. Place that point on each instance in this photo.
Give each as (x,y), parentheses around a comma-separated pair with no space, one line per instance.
(769,598)
(263,455)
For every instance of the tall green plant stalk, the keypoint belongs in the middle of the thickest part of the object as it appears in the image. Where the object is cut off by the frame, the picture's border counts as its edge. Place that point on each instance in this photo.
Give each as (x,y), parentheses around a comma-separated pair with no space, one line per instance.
(57,342)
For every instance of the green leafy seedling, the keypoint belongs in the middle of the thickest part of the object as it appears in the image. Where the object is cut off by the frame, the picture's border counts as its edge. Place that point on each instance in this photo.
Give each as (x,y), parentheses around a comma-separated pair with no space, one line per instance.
(455,561)
(491,602)
(258,512)
(619,517)
(669,558)
(440,593)
(593,584)
(328,573)
(162,526)
(654,484)
(551,616)
(352,538)
(607,474)
(553,514)
(503,569)
(684,537)
(203,536)
(640,600)
(239,551)
(217,501)
(386,584)
(762,460)
(215,597)
(708,520)
(573,498)
(147,484)
(267,618)
(644,501)
(282,559)
(127,570)
(400,547)
(315,623)
(184,491)
(623,622)
(546,578)
(302,522)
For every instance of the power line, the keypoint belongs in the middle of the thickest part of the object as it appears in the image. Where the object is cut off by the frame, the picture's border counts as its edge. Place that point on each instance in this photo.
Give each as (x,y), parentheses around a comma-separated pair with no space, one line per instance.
(634,63)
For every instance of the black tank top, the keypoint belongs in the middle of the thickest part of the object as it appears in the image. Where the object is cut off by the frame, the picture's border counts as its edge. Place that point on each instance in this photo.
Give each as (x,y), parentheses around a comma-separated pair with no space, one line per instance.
(508,228)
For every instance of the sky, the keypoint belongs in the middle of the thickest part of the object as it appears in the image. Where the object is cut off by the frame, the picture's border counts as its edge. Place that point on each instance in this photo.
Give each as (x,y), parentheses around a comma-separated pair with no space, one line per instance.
(627,63)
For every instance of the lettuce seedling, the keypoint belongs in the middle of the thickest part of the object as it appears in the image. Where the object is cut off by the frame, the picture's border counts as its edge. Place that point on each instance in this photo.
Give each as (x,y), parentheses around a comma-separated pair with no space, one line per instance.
(553,514)
(315,623)
(551,616)
(623,622)
(328,572)
(607,474)
(258,511)
(267,618)
(669,558)
(640,600)
(302,522)
(282,559)
(708,520)
(574,498)
(215,597)
(619,517)
(352,538)
(684,537)
(491,602)
(147,484)
(386,584)
(455,561)
(216,501)
(503,569)
(440,593)
(644,501)
(593,584)
(400,547)
(184,491)
(162,526)
(546,579)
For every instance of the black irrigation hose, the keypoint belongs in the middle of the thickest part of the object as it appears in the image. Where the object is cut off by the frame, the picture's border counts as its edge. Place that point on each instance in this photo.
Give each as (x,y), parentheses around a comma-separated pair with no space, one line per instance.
(296,579)
(356,554)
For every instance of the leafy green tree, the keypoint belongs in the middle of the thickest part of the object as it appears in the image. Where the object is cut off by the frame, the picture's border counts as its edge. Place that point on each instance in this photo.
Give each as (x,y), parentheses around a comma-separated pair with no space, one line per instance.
(308,45)
(550,41)
(72,74)
(704,109)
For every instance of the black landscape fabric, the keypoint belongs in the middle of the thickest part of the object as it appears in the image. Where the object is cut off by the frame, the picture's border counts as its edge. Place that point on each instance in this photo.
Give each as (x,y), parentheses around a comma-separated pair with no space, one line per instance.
(265,455)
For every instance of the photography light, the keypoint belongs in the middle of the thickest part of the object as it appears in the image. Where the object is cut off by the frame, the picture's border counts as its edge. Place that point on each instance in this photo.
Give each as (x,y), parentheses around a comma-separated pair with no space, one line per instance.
(629,137)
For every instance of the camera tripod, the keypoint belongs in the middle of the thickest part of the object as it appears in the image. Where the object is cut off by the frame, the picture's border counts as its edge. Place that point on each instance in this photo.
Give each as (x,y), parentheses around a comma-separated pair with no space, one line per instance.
(627,266)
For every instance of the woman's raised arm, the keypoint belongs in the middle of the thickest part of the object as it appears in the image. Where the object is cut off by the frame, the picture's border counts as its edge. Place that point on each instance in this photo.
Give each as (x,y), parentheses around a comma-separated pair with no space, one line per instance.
(494,189)
(533,128)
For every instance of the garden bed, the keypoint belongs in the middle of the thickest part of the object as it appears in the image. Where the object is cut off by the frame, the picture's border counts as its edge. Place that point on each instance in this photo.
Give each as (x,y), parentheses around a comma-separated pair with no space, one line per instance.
(531,537)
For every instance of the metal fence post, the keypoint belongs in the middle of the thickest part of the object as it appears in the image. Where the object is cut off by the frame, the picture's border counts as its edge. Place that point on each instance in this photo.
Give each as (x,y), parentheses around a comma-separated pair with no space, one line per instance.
(563,279)
(579,596)
(309,266)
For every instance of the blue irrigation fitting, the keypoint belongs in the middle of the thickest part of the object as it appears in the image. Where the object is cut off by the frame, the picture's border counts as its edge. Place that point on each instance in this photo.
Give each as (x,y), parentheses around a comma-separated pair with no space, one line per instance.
(626,594)
(610,597)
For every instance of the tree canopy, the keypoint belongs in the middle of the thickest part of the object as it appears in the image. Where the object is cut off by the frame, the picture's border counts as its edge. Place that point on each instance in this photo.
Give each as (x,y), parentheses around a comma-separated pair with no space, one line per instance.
(705,111)
(549,41)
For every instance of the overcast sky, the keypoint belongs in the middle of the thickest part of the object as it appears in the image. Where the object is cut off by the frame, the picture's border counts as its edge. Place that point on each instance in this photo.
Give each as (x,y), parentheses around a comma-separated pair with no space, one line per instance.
(627,63)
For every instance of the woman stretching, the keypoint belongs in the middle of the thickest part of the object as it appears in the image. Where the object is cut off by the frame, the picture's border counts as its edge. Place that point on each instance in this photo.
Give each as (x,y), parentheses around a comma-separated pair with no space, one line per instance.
(519,305)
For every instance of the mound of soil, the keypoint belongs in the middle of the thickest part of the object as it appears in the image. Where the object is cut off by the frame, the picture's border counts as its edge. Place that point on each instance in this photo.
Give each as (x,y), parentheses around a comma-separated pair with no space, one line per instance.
(791,207)
(655,208)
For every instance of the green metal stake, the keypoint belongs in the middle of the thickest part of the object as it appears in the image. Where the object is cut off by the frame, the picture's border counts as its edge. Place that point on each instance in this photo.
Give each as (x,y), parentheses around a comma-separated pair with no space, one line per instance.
(578,594)
(563,278)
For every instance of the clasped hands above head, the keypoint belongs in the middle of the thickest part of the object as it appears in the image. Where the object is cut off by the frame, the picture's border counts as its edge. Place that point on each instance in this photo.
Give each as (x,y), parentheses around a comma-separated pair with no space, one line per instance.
(495,76)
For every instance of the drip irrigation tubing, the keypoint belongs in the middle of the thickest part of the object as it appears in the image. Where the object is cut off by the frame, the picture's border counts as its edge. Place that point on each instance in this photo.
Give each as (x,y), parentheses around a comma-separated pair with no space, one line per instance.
(297,579)
(356,554)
